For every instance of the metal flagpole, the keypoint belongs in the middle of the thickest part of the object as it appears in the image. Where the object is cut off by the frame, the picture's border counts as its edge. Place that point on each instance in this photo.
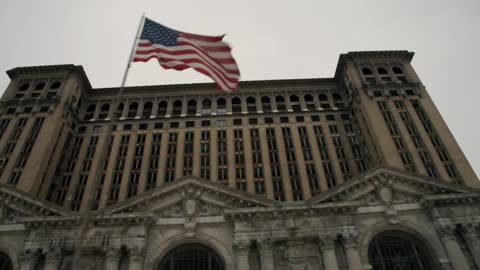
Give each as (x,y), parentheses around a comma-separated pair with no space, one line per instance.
(104,148)
(134,47)
(116,100)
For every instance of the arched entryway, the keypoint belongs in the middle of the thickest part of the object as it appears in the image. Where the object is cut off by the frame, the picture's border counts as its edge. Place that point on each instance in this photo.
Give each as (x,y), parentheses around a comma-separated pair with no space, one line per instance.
(191,257)
(397,250)
(5,263)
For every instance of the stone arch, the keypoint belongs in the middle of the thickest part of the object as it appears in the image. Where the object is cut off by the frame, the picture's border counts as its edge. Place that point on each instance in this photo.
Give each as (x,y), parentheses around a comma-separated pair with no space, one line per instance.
(153,259)
(430,240)
(11,253)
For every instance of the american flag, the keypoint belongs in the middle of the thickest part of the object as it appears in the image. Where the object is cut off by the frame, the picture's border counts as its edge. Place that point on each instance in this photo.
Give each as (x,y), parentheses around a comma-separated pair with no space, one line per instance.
(178,50)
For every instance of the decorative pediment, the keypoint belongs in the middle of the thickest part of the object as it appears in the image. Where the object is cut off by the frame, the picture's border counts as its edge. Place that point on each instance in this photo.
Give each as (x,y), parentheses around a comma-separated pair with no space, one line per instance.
(190,196)
(387,186)
(16,206)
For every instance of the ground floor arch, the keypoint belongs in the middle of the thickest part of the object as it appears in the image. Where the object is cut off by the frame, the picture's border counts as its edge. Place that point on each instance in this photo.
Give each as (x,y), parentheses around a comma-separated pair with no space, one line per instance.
(5,262)
(398,250)
(191,256)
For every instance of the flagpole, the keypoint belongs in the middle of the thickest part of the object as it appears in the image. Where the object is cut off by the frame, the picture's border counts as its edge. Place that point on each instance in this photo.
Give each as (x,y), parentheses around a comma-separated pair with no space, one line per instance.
(134,47)
(116,101)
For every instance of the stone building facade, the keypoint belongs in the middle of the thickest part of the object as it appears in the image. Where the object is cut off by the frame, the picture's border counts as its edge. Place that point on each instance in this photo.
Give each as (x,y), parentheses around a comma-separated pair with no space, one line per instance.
(354,172)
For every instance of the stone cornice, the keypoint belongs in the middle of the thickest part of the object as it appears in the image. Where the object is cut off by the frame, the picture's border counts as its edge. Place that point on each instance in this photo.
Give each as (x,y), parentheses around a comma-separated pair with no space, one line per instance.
(210,88)
(450,199)
(15,198)
(370,55)
(35,70)
(289,210)
(398,176)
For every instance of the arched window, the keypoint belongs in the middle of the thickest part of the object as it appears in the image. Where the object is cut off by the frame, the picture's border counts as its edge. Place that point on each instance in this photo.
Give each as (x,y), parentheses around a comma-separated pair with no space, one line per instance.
(162,108)
(5,262)
(55,85)
(366,71)
(89,112)
(236,105)
(119,110)
(147,109)
(40,86)
(337,99)
(206,106)
(177,108)
(266,105)
(382,71)
(397,70)
(280,100)
(399,74)
(309,102)
(24,87)
(192,107)
(191,256)
(324,101)
(295,103)
(398,250)
(221,106)
(104,111)
(251,104)
(132,110)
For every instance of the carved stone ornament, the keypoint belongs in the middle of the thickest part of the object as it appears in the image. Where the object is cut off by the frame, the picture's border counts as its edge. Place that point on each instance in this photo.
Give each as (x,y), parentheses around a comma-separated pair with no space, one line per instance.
(112,255)
(28,258)
(385,194)
(136,254)
(53,256)
(241,248)
(296,254)
(265,246)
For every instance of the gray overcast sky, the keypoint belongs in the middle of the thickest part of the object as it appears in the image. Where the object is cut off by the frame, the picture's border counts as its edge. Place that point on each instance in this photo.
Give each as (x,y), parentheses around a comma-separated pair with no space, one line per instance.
(271,40)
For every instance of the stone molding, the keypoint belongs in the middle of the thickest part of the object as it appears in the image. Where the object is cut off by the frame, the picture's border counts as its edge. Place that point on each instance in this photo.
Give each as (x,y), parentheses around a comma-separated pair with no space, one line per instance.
(53,256)
(137,254)
(241,248)
(327,242)
(112,255)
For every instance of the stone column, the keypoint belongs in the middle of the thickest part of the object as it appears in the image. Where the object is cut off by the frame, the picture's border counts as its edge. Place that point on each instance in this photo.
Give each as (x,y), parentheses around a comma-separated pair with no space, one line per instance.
(327,246)
(473,242)
(266,255)
(112,258)
(351,251)
(455,254)
(53,259)
(136,256)
(28,259)
(241,251)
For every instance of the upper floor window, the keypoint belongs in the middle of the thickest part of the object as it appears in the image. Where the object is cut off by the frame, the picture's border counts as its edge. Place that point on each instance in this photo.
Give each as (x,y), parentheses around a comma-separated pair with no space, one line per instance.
(367,71)
(397,70)
(309,102)
(24,87)
(132,109)
(295,103)
(251,104)
(236,105)
(280,100)
(147,109)
(192,107)
(266,106)
(177,108)
(104,111)
(40,86)
(206,106)
(89,112)
(55,85)
(162,108)
(221,106)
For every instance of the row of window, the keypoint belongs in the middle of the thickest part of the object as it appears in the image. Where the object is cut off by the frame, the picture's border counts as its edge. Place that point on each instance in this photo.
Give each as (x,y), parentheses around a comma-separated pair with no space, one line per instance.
(39,86)
(383,74)
(176,165)
(208,107)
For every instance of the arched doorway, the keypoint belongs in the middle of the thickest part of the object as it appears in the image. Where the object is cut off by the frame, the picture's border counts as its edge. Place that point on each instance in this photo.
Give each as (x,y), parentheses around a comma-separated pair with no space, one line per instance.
(5,263)
(397,250)
(191,257)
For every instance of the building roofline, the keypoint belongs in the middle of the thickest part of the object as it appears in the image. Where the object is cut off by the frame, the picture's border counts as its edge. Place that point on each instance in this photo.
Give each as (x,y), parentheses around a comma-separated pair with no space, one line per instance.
(211,86)
(363,55)
(12,73)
